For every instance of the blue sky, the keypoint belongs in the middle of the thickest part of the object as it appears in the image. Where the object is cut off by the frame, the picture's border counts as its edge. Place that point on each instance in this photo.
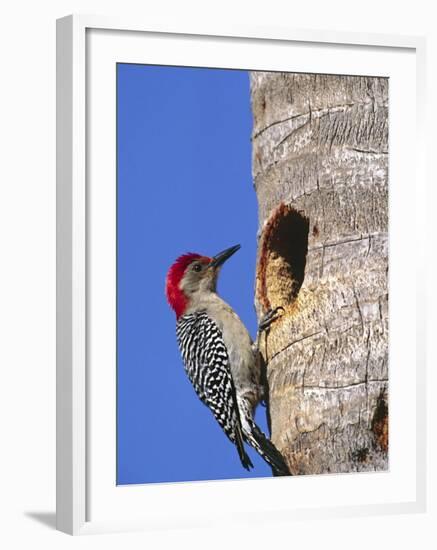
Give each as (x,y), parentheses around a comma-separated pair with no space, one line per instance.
(184,184)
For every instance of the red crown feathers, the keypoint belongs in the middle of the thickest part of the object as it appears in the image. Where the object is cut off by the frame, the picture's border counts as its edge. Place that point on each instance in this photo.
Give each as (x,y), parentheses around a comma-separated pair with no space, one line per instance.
(175,297)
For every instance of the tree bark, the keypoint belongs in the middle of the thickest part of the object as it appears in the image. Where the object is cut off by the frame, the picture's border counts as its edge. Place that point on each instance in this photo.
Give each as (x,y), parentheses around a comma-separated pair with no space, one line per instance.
(320,167)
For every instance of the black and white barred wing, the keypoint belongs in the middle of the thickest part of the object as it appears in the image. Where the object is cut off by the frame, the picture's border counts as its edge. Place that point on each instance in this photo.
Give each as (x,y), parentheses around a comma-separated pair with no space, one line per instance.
(207,365)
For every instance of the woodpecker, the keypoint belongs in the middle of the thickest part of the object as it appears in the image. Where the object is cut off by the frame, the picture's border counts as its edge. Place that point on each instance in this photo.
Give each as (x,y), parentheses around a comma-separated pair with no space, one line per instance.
(219,356)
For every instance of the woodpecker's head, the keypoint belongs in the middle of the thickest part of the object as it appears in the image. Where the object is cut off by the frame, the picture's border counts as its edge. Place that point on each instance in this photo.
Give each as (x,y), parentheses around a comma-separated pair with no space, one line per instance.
(192,274)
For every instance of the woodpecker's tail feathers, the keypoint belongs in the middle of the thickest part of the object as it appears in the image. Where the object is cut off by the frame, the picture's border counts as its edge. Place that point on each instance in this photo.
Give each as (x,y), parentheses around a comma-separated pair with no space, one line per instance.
(262,444)
(268,451)
(244,457)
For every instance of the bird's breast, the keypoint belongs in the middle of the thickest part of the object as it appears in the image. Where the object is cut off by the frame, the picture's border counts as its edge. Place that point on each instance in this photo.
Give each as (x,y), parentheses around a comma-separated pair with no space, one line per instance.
(238,345)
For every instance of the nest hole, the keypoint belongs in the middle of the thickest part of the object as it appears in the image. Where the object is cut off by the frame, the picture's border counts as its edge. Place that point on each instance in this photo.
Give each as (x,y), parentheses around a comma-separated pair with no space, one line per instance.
(281,268)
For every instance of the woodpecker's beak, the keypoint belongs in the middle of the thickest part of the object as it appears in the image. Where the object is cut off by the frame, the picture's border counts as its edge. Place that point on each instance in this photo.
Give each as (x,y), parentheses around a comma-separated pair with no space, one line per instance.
(221,257)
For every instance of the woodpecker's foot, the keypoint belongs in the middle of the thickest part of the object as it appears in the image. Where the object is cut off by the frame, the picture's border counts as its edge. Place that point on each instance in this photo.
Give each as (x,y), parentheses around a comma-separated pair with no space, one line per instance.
(269,317)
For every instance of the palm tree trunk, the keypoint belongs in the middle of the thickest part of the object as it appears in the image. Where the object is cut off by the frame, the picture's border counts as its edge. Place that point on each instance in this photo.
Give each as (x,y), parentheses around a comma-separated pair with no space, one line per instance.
(320,166)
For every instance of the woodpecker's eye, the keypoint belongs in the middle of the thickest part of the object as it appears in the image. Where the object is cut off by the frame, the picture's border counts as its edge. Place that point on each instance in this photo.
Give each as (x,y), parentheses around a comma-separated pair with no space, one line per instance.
(197,267)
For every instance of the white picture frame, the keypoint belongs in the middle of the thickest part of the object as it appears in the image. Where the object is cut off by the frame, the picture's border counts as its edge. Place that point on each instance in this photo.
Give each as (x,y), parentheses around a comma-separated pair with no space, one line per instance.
(76,470)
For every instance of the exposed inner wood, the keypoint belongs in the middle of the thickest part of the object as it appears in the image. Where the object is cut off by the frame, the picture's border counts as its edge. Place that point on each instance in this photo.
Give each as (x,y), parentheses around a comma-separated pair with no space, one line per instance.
(281,265)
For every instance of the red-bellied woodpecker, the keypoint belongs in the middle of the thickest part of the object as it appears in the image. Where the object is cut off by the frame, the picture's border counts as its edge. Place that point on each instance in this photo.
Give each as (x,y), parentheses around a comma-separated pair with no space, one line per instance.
(219,357)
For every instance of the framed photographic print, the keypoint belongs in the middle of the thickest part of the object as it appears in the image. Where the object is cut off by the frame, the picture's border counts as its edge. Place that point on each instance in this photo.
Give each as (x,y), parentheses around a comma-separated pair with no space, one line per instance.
(239,314)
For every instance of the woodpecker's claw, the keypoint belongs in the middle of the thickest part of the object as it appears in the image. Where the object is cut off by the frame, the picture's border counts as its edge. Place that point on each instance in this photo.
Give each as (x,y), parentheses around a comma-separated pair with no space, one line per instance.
(269,317)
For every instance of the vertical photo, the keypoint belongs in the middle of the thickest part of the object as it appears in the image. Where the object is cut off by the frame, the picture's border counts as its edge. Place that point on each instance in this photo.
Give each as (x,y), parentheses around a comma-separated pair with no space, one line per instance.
(252,274)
